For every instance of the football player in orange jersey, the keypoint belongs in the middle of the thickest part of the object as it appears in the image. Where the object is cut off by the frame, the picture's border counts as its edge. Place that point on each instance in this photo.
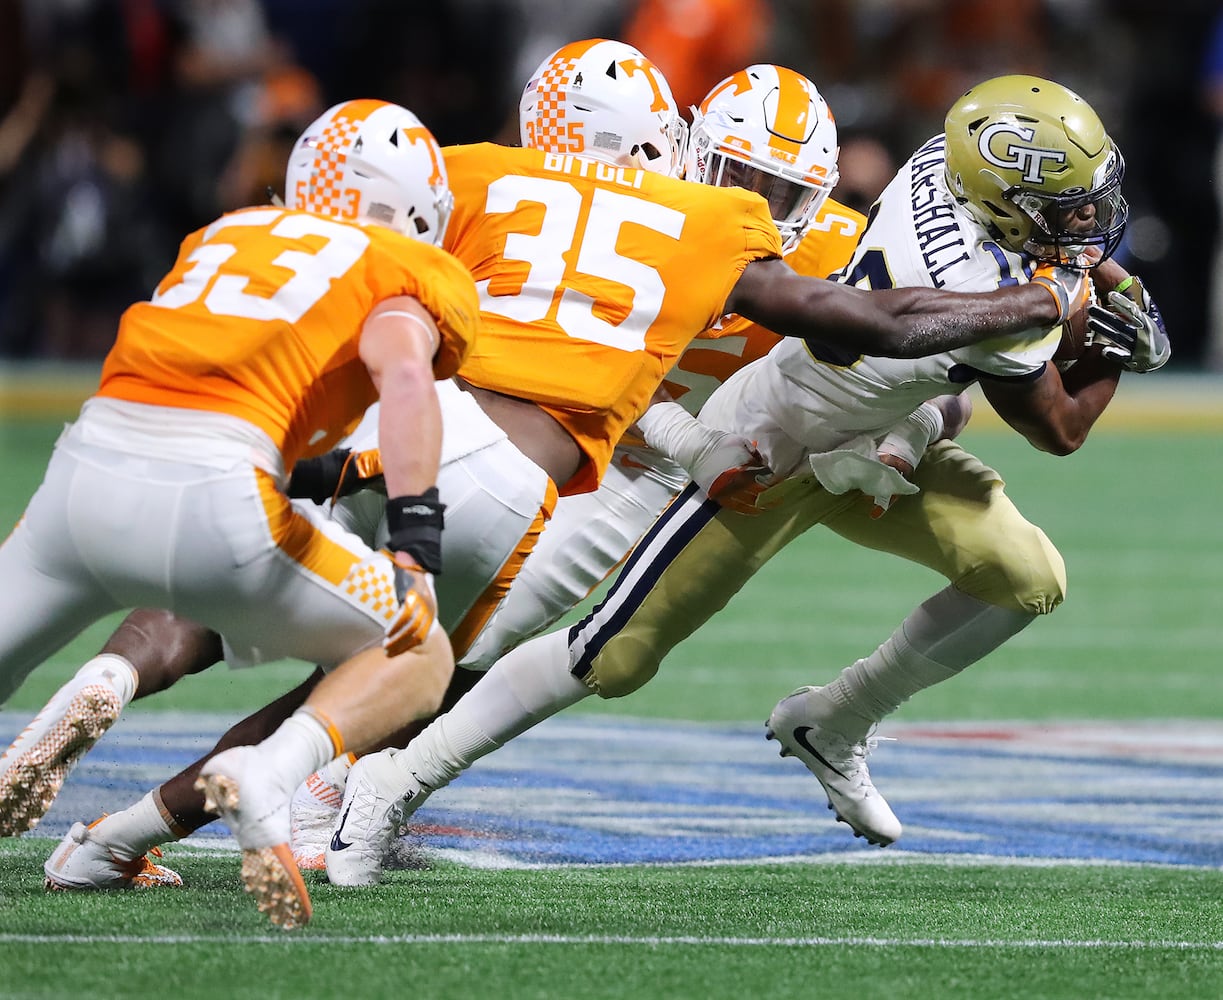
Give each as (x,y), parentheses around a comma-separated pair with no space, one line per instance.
(529,207)
(265,343)
(591,531)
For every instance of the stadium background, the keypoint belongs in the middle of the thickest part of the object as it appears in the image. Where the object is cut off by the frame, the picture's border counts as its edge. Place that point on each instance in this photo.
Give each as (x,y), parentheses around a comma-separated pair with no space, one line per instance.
(125,124)
(1032,787)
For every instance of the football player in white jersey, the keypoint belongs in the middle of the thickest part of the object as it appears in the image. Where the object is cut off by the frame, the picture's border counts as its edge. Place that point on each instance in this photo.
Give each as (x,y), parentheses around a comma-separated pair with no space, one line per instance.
(1023,173)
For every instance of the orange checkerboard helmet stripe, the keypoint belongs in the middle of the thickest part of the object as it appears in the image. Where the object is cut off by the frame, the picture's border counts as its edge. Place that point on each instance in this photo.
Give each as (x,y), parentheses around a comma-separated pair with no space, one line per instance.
(550,90)
(331,149)
(603,99)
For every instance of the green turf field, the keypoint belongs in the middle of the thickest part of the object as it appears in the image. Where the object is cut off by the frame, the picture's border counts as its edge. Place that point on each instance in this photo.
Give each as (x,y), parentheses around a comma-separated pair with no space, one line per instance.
(1135,515)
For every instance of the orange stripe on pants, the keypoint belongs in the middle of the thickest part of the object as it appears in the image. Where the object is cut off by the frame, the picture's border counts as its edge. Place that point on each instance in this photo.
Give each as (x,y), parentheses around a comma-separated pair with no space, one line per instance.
(473,622)
(301,541)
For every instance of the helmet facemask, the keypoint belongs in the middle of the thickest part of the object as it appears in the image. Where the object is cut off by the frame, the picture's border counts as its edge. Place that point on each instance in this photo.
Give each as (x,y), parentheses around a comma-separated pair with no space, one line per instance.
(669,159)
(1076,229)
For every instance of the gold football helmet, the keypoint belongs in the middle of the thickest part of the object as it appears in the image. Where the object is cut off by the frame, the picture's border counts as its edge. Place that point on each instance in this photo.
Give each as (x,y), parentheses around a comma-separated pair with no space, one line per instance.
(1031,160)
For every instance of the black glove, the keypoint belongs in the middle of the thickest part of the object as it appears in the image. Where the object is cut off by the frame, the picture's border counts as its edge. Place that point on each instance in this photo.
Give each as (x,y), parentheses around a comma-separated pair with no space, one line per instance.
(329,477)
(415,525)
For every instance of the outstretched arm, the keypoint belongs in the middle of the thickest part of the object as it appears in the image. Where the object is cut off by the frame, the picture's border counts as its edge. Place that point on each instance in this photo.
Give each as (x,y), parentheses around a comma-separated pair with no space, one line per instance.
(898,322)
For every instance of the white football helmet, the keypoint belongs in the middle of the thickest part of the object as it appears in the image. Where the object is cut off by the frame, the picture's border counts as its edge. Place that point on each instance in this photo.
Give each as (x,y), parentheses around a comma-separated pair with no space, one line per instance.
(767,129)
(605,100)
(375,163)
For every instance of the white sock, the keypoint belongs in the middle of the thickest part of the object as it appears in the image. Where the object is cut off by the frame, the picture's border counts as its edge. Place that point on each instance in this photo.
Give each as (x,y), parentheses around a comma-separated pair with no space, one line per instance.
(111,669)
(132,832)
(521,689)
(336,772)
(936,641)
(301,746)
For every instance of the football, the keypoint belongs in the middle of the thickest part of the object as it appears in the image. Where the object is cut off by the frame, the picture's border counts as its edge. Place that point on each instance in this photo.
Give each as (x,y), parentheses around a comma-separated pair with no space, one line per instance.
(1074,337)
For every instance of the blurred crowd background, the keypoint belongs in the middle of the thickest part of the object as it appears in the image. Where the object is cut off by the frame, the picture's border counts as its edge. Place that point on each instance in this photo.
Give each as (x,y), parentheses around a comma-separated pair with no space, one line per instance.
(125,124)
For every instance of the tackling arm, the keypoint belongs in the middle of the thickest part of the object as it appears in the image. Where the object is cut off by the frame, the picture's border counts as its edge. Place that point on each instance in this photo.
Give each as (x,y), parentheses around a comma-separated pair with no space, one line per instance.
(397,345)
(899,322)
(398,341)
(718,462)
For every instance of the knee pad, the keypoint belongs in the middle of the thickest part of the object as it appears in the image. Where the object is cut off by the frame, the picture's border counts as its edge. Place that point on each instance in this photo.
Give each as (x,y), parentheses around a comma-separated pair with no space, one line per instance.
(622,666)
(1027,573)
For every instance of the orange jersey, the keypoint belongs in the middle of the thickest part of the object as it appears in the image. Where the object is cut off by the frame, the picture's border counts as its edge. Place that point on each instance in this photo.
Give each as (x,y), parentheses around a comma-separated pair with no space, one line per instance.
(824,250)
(592,280)
(261,315)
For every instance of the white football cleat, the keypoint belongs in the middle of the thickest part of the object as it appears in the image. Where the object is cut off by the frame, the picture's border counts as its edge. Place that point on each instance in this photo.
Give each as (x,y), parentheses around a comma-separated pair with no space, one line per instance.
(378,799)
(839,764)
(313,811)
(33,769)
(236,786)
(80,863)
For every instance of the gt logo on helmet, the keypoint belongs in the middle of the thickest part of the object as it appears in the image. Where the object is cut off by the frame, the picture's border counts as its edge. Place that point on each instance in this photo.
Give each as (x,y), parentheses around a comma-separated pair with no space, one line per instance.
(1030,160)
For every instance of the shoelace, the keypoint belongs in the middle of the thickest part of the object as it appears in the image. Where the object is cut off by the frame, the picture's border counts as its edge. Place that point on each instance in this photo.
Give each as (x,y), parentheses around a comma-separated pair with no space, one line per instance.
(137,866)
(861,750)
(871,743)
(142,865)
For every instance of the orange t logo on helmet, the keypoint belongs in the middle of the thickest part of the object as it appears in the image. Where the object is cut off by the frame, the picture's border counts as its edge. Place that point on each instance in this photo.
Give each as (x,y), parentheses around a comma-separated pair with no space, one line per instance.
(423,135)
(631,66)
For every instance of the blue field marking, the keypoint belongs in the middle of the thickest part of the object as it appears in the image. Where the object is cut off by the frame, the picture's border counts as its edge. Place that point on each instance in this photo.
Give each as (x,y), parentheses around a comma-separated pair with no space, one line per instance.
(593,790)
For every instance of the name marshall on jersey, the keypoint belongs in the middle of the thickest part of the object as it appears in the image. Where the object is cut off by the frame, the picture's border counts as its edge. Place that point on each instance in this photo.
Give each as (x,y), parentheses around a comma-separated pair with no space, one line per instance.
(939,235)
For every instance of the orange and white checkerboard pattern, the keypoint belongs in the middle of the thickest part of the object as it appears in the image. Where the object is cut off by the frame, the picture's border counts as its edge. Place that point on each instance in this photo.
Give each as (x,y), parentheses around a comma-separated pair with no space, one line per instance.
(370,584)
(549,108)
(327,171)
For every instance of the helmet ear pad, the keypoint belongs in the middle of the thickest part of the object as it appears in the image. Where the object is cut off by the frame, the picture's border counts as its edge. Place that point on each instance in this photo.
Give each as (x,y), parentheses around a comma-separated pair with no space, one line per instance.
(373,163)
(1031,161)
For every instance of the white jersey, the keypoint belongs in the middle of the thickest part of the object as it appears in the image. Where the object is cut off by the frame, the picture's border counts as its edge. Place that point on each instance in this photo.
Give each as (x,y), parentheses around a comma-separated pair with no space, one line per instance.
(806,398)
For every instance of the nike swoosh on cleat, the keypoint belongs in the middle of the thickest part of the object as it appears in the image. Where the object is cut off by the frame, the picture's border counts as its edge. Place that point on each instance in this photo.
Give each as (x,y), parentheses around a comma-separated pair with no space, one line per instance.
(336,843)
(800,737)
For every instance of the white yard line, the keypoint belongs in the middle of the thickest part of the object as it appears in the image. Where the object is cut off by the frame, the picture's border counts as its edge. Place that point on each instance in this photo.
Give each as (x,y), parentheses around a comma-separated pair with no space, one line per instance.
(646,941)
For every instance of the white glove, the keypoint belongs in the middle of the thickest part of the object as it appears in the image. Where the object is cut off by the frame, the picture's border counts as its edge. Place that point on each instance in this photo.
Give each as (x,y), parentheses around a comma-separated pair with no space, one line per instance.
(1130,328)
(716,460)
(905,445)
(909,439)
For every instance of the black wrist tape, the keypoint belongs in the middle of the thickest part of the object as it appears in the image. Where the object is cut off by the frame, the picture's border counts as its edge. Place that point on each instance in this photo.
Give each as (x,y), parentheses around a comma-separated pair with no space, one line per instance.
(415,525)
